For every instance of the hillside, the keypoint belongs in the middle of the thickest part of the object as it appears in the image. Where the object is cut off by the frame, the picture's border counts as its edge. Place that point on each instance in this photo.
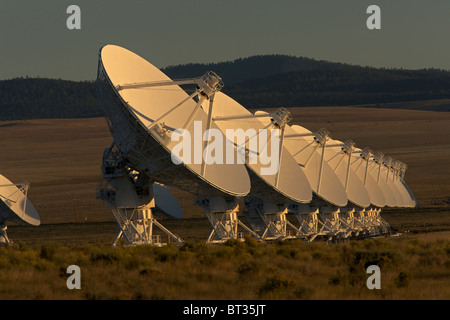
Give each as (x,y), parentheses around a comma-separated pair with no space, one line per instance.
(256,82)
(26,98)
(255,67)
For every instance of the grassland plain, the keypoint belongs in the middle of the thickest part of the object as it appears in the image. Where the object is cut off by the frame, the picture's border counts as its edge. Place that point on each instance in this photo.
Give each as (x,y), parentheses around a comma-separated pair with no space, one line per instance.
(411,268)
(61,159)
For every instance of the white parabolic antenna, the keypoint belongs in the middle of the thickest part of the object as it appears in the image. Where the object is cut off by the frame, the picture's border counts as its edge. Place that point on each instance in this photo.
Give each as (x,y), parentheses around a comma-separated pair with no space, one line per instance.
(15,206)
(360,163)
(356,192)
(144,121)
(413,201)
(375,166)
(399,169)
(271,191)
(286,184)
(388,175)
(145,109)
(323,180)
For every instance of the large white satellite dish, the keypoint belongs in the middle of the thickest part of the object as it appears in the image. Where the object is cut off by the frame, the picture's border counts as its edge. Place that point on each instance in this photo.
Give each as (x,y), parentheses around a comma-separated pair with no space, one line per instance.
(401,173)
(329,194)
(339,159)
(144,109)
(375,166)
(271,193)
(324,182)
(413,202)
(289,183)
(387,173)
(335,220)
(15,206)
(144,120)
(360,162)
(399,169)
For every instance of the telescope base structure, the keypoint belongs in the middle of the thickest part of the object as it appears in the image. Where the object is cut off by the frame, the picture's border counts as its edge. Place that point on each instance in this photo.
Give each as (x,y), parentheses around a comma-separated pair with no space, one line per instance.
(308,218)
(222,213)
(268,219)
(3,235)
(129,196)
(135,225)
(376,225)
(333,223)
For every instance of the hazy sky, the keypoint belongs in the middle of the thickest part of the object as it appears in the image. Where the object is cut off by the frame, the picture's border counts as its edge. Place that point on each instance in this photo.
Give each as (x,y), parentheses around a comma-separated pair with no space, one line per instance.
(35,41)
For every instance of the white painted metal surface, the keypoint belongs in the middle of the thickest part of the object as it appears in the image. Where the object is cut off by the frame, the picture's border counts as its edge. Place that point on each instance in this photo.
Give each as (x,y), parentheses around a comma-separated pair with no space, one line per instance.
(153,108)
(360,163)
(15,205)
(290,180)
(165,200)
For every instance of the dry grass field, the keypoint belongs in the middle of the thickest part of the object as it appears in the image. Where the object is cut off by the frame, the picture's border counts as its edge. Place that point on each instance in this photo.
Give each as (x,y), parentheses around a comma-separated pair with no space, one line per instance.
(411,268)
(62,158)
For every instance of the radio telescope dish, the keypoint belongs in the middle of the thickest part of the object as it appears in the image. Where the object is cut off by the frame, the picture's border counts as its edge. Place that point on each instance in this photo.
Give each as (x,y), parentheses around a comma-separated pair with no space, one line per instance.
(334,155)
(150,116)
(399,169)
(387,173)
(360,162)
(375,168)
(337,158)
(15,206)
(324,182)
(271,192)
(139,101)
(289,182)
(413,201)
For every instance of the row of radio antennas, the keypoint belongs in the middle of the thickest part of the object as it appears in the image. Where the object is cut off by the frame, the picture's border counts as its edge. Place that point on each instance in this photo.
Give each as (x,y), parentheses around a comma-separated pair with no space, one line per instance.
(267,197)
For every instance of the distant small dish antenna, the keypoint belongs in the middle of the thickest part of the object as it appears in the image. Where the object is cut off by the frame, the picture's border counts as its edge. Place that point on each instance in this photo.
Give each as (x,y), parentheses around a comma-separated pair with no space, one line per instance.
(336,220)
(319,217)
(15,206)
(375,170)
(401,173)
(387,173)
(398,169)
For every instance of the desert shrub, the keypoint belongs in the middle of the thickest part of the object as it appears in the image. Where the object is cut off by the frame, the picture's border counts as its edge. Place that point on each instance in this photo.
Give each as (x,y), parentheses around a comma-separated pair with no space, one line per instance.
(167,253)
(366,258)
(275,284)
(248,268)
(250,241)
(233,243)
(303,292)
(48,250)
(287,252)
(104,257)
(402,279)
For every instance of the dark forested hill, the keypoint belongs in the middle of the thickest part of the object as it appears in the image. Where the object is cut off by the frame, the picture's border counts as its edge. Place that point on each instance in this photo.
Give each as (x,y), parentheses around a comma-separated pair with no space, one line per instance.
(255,67)
(255,82)
(343,86)
(47,98)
